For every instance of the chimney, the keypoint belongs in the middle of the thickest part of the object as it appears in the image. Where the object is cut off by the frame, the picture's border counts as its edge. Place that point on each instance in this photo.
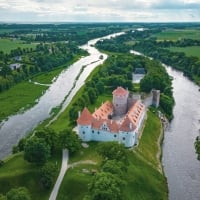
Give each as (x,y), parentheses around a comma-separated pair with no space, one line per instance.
(79,113)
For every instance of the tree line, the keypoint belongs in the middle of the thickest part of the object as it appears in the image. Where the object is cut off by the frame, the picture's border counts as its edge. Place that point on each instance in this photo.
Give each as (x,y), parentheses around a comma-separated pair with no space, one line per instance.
(42,59)
(156,76)
(178,60)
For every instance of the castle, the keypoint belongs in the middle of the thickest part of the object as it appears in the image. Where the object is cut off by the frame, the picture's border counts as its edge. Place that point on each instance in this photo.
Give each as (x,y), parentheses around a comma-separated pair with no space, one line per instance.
(118,121)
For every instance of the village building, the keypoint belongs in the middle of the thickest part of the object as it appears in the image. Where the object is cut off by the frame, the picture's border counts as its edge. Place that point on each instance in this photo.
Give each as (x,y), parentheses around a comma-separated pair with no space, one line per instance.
(15,66)
(138,75)
(118,121)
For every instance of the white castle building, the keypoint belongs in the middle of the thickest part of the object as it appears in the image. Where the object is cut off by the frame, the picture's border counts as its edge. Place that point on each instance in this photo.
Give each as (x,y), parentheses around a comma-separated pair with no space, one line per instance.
(118,121)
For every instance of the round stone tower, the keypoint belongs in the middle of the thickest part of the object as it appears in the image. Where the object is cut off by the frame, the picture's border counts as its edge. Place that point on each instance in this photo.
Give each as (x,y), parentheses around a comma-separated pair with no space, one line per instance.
(120,99)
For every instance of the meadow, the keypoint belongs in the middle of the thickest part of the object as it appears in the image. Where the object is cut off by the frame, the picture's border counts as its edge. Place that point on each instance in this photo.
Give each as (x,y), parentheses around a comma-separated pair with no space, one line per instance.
(16,172)
(19,97)
(189,51)
(6,45)
(177,34)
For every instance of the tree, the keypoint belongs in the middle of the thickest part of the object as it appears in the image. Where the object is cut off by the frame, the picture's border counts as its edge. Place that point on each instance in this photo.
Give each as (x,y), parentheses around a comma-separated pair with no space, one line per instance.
(197,147)
(47,175)
(50,137)
(70,140)
(20,193)
(114,167)
(113,151)
(1,163)
(36,150)
(106,186)
(100,87)
(21,144)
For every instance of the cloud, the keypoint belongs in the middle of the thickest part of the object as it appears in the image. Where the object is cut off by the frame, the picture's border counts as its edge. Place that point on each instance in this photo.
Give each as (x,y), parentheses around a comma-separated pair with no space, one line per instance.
(98,10)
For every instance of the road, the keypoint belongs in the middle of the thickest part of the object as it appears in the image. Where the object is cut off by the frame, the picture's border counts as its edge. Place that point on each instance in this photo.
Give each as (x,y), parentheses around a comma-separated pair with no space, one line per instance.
(63,169)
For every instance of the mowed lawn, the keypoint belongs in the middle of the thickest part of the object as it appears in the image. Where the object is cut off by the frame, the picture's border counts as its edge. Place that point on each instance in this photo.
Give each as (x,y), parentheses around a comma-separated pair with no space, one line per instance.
(144,180)
(6,45)
(177,34)
(16,172)
(189,51)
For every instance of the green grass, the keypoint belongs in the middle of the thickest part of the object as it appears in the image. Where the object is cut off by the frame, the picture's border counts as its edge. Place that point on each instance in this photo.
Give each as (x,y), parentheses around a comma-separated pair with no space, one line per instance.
(75,183)
(22,95)
(86,154)
(189,51)
(16,172)
(6,45)
(149,139)
(144,180)
(197,79)
(47,78)
(19,96)
(177,34)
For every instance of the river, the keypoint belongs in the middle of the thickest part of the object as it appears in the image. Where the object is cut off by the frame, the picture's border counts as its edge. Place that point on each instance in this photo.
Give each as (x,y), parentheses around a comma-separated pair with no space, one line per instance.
(179,159)
(181,166)
(17,126)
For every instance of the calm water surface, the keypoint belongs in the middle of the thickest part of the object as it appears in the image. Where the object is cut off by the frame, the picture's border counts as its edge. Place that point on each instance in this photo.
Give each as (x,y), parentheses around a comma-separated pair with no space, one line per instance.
(19,125)
(180,164)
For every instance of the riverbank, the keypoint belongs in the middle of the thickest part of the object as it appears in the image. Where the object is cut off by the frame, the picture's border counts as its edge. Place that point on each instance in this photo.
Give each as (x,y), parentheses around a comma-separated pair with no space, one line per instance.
(144,179)
(18,98)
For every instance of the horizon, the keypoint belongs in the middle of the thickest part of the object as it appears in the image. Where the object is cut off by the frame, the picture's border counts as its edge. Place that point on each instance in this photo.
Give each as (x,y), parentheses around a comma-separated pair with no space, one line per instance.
(96,22)
(127,11)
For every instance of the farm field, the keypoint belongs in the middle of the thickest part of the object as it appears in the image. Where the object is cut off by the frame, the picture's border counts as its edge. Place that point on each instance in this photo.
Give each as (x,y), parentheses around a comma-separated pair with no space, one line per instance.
(6,45)
(189,51)
(177,34)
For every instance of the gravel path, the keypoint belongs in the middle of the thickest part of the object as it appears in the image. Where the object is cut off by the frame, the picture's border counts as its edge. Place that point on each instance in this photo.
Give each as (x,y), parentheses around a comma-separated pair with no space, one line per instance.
(64,167)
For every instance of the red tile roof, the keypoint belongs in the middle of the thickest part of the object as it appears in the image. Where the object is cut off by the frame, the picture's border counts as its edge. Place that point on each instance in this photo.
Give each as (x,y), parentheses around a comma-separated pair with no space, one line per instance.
(103,111)
(120,91)
(127,125)
(135,112)
(85,117)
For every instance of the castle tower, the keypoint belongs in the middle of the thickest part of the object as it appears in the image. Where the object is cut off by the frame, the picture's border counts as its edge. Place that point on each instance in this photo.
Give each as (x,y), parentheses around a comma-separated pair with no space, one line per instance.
(84,125)
(120,98)
(156,97)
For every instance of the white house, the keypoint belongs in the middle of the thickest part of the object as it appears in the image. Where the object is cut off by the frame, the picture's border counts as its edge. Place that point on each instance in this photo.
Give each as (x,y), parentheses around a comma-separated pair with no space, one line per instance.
(117,121)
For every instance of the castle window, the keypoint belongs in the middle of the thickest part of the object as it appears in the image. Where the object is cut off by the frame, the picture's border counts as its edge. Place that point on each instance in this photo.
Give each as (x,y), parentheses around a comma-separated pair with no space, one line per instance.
(115,135)
(123,138)
(83,132)
(98,132)
(92,131)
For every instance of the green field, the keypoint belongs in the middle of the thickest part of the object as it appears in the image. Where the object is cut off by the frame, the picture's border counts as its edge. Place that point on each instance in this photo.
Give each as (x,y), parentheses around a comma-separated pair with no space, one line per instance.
(177,34)
(144,179)
(19,96)
(16,172)
(6,45)
(22,95)
(189,51)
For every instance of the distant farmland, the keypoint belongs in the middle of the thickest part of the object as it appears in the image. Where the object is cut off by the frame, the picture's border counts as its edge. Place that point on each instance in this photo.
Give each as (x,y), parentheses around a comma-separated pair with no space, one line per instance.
(189,51)
(177,34)
(6,45)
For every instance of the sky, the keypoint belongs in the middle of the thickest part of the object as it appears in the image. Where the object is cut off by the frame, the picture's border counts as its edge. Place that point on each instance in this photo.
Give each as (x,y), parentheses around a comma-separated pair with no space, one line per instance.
(99,11)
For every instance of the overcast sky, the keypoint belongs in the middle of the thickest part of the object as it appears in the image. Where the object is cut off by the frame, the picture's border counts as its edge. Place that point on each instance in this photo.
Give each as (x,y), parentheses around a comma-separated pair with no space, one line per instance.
(99,10)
